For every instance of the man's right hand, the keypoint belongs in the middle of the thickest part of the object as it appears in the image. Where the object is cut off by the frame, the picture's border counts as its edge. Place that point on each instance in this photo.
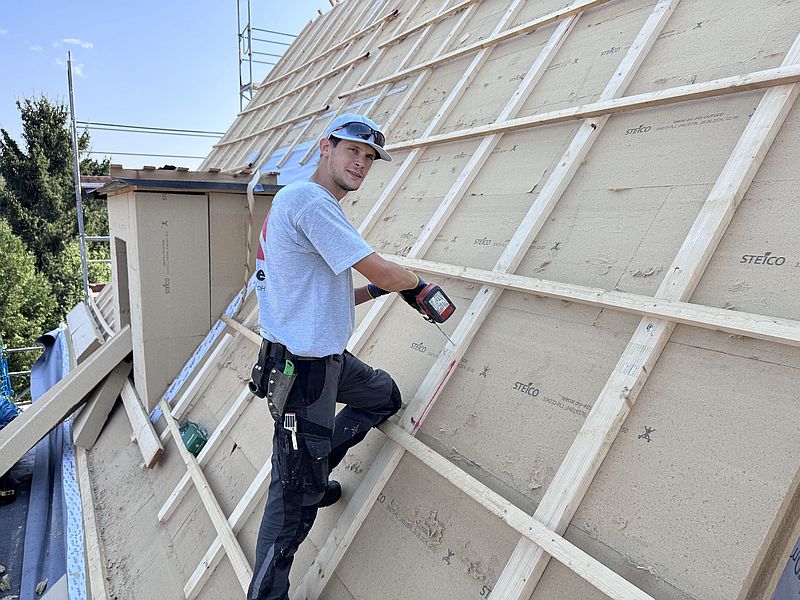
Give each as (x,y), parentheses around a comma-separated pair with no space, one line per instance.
(410,295)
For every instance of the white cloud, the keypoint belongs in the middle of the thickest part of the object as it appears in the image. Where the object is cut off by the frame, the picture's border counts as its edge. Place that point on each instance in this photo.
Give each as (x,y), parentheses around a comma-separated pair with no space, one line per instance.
(35,48)
(77,42)
(3,31)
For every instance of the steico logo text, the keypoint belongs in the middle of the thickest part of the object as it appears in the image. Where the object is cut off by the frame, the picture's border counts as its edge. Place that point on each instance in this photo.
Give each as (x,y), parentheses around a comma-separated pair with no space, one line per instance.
(763,259)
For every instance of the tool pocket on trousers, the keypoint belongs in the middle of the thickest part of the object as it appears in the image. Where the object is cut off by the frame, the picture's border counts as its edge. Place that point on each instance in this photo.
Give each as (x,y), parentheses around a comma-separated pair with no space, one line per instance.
(303,469)
(278,385)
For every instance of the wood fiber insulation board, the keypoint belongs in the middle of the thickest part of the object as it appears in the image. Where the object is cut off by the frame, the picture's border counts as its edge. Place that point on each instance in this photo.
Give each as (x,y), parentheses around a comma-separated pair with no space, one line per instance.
(589,57)
(654,199)
(145,559)
(423,539)
(495,83)
(690,468)
(86,335)
(168,269)
(227,228)
(500,196)
(709,39)
(757,265)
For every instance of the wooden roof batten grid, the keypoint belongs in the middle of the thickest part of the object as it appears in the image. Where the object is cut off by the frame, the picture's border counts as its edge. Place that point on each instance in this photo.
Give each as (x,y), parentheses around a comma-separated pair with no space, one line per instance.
(310,42)
(492,40)
(266,150)
(351,38)
(542,533)
(306,83)
(609,411)
(433,384)
(411,92)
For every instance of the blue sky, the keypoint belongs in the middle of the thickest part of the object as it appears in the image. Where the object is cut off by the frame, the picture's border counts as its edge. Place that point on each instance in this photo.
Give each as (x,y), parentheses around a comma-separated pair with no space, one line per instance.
(158,64)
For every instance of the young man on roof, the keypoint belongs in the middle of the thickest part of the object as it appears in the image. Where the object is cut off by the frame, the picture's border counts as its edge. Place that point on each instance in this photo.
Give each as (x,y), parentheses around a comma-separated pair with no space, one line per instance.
(306,315)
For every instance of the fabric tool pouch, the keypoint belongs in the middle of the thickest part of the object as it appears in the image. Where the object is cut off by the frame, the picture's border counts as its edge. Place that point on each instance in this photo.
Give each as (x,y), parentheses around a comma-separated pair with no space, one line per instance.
(277,387)
(305,469)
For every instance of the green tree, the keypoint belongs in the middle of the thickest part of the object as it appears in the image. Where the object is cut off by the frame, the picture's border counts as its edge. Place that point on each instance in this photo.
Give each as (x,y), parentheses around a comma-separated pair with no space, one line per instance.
(36,202)
(38,198)
(27,305)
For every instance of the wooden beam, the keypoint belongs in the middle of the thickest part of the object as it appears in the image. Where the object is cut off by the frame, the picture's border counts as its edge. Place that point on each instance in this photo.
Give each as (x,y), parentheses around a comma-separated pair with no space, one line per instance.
(590,569)
(146,436)
(212,445)
(600,428)
(427,23)
(736,84)
(771,329)
(90,420)
(95,553)
(61,400)
(202,573)
(242,569)
(492,40)
(241,329)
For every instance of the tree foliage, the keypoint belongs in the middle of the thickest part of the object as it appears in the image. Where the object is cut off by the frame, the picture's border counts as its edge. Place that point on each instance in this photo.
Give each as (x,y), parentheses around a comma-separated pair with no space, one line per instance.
(27,304)
(37,197)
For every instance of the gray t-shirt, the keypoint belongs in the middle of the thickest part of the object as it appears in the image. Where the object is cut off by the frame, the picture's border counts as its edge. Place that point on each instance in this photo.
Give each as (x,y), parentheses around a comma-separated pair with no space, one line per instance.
(305,287)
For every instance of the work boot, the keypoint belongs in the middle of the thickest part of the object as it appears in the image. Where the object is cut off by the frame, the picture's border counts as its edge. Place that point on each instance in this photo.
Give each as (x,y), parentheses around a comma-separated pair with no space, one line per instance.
(333,492)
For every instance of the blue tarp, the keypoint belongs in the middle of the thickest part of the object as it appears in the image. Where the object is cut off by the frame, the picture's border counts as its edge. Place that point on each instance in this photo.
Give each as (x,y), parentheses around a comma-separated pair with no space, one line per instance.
(54,529)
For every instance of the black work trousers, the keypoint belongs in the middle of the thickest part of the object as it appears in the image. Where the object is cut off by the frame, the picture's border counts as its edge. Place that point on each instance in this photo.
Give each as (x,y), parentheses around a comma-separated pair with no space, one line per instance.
(370,397)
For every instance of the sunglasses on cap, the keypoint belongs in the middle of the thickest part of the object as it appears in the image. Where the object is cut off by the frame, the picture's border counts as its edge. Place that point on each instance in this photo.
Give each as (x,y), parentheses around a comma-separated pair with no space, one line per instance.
(362,131)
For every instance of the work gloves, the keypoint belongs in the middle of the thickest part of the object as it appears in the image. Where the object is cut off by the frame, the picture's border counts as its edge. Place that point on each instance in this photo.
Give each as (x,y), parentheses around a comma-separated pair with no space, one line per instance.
(409,295)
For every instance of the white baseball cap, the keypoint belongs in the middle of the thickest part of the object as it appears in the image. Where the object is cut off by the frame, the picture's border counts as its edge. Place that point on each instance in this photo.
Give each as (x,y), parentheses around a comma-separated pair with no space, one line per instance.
(358,128)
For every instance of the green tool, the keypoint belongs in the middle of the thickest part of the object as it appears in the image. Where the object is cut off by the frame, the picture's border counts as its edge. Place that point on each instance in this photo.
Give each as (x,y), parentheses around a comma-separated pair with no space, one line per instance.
(288,368)
(194,436)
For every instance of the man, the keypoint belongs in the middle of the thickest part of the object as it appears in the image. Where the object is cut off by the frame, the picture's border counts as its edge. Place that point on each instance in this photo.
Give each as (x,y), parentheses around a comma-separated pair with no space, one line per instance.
(306,315)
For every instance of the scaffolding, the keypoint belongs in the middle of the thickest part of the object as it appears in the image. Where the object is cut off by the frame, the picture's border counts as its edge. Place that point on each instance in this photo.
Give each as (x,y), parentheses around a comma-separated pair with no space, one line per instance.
(249,55)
